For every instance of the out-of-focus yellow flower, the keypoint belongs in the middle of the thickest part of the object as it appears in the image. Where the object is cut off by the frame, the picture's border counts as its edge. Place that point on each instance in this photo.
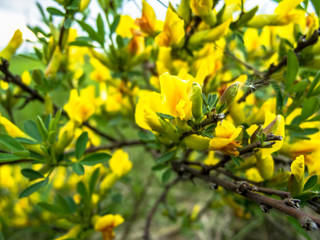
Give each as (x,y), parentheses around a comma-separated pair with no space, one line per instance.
(12,46)
(100,73)
(201,7)
(83,5)
(108,181)
(4,85)
(173,30)
(26,78)
(136,45)
(126,27)
(175,94)
(106,224)
(195,212)
(225,138)
(66,135)
(148,22)
(72,233)
(80,108)
(296,180)
(254,175)
(210,35)
(211,159)
(283,15)
(120,163)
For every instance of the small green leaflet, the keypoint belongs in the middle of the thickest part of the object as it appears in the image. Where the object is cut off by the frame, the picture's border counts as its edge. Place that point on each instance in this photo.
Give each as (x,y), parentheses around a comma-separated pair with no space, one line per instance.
(166,157)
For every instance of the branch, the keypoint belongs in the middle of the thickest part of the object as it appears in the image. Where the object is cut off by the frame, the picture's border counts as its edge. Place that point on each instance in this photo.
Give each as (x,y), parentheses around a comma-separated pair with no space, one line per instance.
(286,206)
(246,149)
(265,80)
(155,207)
(10,78)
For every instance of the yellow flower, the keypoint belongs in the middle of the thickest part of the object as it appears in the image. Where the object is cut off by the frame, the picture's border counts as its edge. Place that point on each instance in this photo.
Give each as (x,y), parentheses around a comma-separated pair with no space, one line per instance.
(211,159)
(283,15)
(100,73)
(106,224)
(126,26)
(201,7)
(26,78)
(12,46)
(197,142)
(145,115)
(296,180)
(173,30)
(148,20)
(175,94)
(210,35)
(108,181)
(225,138)
(119,163)
(80,108)
(72,233)
(54,63)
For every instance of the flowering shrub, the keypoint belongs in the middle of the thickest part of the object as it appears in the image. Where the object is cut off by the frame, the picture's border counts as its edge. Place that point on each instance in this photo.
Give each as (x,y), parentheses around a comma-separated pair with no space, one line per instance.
(216,92)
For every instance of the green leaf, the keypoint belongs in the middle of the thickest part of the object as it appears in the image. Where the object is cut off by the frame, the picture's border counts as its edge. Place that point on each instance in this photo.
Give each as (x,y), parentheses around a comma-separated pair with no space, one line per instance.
(166,116)
(115,23)
(31,174)
(42,128)
(54,11)
(33,188)
(31,129)
(292,68)
(26,140)
(312,181)
(205,99)
(67,23)
(309,107)
(53,208)
(166,175)
(78,168)
(313,84)
(299,87)
(10,142)
(6,157)
(93,180)
(82,190)
(100,27)
(159,167)
(316,4)
(246,17)
(72,205)
(91,32)
(212,100)
(81,145)
(80,43)
(305,196)
(95,158)
(63,204)
(166,157)
(294,128)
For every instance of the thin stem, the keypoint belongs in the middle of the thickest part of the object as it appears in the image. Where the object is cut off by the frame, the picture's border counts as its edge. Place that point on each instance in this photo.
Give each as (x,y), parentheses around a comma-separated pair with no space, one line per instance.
(155,207)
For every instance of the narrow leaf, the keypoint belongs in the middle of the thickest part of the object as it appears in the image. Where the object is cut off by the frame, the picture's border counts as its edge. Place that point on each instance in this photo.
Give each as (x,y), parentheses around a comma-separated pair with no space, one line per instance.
(10,142)
(95,158)
(81,144)
(292,68)
(166,157)
(33,188)
(31,174)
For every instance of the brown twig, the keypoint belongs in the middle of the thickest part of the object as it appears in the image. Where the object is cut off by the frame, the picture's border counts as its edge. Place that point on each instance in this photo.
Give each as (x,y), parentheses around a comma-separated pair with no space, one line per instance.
(306,220)
(265,80)
(10,78)
(155,207)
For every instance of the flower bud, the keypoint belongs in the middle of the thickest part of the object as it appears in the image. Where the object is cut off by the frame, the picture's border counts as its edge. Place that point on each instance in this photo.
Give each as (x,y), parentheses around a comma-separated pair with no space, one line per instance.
(197,142)
(184,10)
(265,166)
(54,64)
(273,126)
(228,96)
(12,46)
(196,100)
